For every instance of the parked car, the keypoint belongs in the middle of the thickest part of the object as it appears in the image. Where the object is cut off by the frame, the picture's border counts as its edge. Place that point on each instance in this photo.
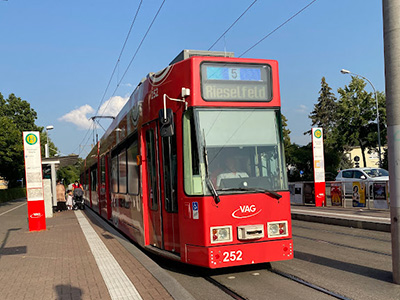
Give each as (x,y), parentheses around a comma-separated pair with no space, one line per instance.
(368,175)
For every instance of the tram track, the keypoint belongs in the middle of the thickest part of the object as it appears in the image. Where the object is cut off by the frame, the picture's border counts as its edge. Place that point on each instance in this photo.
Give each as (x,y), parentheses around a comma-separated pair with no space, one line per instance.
(308,284)
(224,288)
(277,272)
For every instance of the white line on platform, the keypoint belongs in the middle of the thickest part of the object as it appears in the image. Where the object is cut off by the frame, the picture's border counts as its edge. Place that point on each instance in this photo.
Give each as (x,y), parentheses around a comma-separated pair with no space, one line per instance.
(118,284)
(3,213)
(338,215)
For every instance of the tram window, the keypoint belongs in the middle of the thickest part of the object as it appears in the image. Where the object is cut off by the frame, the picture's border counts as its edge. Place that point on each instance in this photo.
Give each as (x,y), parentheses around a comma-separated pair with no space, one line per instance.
(103,170)
(87,174)
(191,166)
(151,169)
(133,169)
(122,172)
(170,173)
(84,180)
(93,178)
(114,174)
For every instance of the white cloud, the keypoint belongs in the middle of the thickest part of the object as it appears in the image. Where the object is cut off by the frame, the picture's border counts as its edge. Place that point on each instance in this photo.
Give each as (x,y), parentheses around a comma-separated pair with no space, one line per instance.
(78,117)
(112,106)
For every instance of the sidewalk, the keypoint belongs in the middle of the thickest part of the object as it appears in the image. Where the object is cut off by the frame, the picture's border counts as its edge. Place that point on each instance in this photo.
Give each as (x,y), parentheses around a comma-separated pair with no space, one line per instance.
(62,263)
(374,219)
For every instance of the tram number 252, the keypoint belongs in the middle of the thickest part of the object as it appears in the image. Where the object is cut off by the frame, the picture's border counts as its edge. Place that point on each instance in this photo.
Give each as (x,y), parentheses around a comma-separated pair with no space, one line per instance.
(232,256)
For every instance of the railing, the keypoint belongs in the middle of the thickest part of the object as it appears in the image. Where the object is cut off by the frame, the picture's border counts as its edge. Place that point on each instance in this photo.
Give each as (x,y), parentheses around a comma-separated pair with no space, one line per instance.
(369,194)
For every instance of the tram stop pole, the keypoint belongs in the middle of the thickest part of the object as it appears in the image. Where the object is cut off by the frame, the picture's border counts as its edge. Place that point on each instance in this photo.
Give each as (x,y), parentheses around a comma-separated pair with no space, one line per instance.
(391,35)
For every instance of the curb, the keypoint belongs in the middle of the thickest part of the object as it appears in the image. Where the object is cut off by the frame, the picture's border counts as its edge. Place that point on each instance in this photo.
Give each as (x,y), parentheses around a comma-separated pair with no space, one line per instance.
(361,224)
(173,287)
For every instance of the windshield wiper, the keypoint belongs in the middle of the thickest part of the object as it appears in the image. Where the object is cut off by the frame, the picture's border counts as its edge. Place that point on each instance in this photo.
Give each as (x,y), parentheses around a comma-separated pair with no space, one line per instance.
(249,189)
(209,183)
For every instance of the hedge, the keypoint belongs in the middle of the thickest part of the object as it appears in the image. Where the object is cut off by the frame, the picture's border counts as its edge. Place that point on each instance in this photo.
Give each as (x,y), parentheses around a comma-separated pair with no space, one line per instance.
(11,194)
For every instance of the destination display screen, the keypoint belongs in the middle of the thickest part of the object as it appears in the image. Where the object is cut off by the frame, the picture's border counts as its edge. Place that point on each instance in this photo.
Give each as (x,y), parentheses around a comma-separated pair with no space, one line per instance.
(236,82)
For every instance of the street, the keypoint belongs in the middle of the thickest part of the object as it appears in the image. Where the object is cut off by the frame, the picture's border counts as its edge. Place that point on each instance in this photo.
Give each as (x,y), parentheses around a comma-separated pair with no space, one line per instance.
(352,263)
(330,261)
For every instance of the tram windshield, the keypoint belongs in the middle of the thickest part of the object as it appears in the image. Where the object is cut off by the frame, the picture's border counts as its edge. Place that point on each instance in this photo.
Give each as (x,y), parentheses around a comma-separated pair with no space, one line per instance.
(236,149)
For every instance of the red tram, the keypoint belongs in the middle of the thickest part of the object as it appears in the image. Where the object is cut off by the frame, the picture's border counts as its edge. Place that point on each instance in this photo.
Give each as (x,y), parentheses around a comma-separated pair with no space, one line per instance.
(193,166)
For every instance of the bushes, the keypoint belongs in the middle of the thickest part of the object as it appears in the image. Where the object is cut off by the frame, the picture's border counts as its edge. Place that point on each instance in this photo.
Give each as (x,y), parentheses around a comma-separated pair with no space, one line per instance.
(11,194)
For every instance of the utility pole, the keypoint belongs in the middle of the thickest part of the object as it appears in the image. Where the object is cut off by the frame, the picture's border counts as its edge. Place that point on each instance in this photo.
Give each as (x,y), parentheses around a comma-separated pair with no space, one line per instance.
(391,35)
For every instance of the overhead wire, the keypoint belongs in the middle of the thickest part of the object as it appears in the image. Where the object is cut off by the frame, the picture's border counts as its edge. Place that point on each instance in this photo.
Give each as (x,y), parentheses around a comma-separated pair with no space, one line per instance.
(222,35)
(134,56)
(137,50)
(233,24)
(120,54)
(116,64)
(277,28)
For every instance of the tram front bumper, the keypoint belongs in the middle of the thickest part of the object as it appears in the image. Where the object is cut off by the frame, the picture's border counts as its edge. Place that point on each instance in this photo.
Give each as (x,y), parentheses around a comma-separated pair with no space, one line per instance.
(239,254)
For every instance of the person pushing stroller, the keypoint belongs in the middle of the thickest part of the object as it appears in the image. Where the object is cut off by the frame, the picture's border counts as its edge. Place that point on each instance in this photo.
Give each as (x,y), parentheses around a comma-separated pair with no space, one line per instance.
(77,191)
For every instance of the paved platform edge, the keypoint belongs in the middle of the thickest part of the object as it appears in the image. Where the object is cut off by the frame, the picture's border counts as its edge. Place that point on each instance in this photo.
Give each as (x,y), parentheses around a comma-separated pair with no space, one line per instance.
(342,222)
(174,288)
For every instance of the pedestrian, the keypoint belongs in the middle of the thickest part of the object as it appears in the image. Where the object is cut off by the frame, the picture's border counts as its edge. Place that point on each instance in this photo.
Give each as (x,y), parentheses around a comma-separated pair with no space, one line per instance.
(77,185)
(60,191)
(69,200)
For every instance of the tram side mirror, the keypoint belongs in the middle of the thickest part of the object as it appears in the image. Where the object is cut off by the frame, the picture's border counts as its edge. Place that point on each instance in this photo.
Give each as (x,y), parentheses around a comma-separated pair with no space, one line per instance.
(166,122)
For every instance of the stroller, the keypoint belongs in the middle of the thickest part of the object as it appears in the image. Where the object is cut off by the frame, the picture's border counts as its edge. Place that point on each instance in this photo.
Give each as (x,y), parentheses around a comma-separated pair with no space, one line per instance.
(78,199)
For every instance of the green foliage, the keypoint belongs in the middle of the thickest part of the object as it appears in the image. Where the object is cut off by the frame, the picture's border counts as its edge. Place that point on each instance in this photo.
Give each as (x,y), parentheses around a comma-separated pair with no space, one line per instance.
(356,117)
(11,194)
(349,121)
(286,134)
(323,114)
(69,174)
(16,116)
(300,158)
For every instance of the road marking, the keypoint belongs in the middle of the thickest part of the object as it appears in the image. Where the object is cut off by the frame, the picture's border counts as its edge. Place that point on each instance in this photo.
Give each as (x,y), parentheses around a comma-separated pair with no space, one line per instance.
(338,215)
(118,284)
(12,209)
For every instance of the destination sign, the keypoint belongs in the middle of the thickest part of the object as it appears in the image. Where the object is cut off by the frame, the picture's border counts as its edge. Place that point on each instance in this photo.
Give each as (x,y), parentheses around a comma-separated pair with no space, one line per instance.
(236,82)
(223,73)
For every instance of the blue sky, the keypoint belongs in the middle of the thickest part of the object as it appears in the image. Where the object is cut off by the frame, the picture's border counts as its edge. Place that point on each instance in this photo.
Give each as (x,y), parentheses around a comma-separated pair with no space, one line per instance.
(59,55)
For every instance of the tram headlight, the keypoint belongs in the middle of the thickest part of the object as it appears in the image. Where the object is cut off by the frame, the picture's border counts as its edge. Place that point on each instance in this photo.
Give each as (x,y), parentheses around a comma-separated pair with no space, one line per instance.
(277,229)
(221,234)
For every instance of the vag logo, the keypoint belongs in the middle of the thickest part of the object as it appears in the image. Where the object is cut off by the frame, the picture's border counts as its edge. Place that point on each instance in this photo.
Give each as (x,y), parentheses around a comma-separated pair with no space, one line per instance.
(246,211)
(36,215)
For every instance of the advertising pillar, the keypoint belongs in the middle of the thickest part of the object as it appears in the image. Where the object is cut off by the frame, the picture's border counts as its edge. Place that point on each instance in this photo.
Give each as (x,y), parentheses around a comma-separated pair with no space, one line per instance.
(34,181)
(319,166)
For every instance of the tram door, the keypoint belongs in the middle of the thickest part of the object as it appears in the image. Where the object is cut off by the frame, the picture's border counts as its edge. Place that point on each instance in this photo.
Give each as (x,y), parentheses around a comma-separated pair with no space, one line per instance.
(162,189)
(153,186)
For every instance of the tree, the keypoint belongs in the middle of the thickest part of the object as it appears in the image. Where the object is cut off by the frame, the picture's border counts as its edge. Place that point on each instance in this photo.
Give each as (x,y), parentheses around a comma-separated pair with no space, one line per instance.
(285,133)
(300,159)
(323,114)
(16,116)
(356,114)
(68,174)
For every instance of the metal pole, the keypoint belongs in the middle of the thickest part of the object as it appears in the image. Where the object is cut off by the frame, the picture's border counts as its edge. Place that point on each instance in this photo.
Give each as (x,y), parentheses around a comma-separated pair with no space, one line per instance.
(53,183)
(46,147)
(391,35)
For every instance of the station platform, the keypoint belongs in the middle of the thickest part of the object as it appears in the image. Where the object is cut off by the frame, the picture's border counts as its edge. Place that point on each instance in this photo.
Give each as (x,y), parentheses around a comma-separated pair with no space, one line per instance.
(78,256)
(364,218)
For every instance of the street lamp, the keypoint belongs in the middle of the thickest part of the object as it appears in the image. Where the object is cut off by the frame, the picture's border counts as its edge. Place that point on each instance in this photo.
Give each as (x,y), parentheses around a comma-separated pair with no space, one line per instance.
(46,148)
(344,71)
